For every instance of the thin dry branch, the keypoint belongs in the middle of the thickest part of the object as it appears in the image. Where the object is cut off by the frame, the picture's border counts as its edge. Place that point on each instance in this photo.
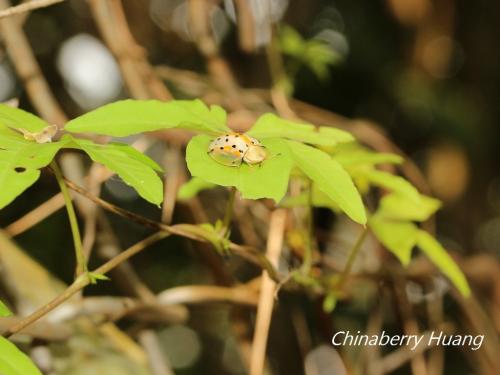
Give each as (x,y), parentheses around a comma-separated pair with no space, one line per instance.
(139,75)
(190,231)
(266,300)
(28,6)
(82,281)
(157,360)
(29,71)
(193,294)
(36,215)
(409,322)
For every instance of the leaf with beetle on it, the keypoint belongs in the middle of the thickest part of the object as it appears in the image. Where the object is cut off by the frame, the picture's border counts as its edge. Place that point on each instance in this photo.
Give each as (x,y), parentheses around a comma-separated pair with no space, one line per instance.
(267,180)
(134,168)
(272,126)
(127,117)
(20,162)
(13,361)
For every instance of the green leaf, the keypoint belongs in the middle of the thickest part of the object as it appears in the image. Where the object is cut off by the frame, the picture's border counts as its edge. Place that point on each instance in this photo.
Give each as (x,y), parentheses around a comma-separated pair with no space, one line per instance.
(399,207)
(270,126)
(213,235)
(191,188)
(135,154)
(399,237)
(314,53)
(20,161)
(440,257)
(15,362)
(391,182)
(268,180)
(136,171)
(318,56)
(128,117)
(329,302)
(330,178)
(291,42)
(319,199)
(370,158)
(94,277)
(353,154)
(4,310)
(19,119)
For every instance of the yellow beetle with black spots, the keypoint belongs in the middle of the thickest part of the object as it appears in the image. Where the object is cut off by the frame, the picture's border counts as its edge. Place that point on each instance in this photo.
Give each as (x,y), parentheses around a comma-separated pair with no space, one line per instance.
(232,149)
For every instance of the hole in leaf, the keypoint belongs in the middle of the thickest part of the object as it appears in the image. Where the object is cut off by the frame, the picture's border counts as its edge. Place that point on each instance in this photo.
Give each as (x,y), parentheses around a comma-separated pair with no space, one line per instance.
(20,169)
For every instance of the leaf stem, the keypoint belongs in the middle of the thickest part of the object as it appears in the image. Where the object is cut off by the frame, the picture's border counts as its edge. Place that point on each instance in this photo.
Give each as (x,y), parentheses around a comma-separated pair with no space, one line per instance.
(228,216)
(308,251)
(190,231)
(352,257)
(81,262)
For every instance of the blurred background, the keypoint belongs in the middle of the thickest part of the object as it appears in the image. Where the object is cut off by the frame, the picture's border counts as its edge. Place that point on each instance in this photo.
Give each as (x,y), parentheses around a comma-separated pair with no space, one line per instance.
(420,74)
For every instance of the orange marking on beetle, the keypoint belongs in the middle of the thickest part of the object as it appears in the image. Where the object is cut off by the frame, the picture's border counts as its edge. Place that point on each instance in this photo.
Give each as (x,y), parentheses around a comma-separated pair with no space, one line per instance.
(247,140)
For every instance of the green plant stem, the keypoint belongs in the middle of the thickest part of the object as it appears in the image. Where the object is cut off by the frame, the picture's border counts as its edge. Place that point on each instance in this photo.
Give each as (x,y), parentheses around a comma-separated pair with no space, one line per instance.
(228,216)
(352,257)
(308,251)
(81,262)
(83,280)
(193,232)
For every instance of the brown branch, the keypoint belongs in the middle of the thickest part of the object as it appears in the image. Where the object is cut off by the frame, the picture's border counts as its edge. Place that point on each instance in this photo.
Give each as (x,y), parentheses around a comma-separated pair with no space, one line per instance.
(29,71)
(137,72)
(266,300)
(409,322)
(246,26)
(220,72)
(190,231)
(82,281)
(42,330)
(194,294)
(28,6)
(36,215)
(172,162)
(158,361)
(124,275)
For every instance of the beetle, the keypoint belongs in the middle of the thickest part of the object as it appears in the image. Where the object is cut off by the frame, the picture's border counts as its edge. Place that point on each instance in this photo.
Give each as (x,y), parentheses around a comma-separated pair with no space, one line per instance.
(232,149)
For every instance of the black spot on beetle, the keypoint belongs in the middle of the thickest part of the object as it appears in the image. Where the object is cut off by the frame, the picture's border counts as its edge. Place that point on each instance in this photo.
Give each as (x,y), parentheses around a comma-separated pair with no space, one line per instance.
(227,139)
(241,151)
(20,169)
(218,139)
(222,148)
(233,146)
